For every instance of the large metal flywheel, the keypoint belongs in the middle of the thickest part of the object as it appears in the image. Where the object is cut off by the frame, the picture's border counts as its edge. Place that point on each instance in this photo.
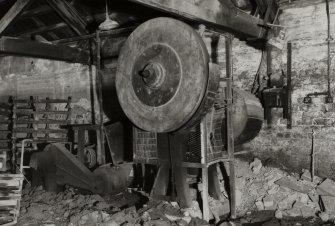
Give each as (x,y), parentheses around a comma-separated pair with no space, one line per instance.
(163,78)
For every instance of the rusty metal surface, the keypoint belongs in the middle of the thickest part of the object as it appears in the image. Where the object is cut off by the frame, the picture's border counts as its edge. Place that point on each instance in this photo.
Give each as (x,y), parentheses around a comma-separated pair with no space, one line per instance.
(68,169)
(57,166)
(246,122)
(119,143)
(208,99)
(163,75)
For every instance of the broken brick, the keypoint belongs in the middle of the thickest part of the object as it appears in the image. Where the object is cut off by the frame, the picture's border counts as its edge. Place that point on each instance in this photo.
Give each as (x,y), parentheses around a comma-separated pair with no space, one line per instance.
(326,188)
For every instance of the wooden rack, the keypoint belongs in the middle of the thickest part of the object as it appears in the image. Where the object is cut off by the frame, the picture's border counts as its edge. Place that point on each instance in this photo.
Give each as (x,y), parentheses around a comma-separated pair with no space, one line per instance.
(35,119)
(5,134)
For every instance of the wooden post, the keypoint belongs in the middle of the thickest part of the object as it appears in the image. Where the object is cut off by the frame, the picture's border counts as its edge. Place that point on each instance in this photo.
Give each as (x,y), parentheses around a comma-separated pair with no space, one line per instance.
(289,86)
(100,134)
(204,170)
(230,132)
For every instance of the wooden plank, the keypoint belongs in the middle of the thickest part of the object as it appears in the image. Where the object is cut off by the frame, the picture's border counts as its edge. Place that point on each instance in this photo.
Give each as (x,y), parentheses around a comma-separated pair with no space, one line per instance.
(29,112)
(10,196)
(54,101)
(10,176)
(42,121)
(216,14)
(13,13)
(39,30)
(69,15)
(26,130)
(12,202)
(204,171)
(23,47)
(115,33)
(230,126)
(293,184)
(35,12)
(12,183)
(326,188)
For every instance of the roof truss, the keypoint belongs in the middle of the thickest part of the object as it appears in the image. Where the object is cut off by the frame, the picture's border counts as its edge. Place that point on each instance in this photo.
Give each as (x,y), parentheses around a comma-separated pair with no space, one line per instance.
(13,12)
(70,15)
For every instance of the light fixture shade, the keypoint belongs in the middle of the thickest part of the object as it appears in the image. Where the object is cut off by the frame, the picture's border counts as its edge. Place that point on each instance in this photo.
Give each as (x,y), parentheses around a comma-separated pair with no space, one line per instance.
(108,24)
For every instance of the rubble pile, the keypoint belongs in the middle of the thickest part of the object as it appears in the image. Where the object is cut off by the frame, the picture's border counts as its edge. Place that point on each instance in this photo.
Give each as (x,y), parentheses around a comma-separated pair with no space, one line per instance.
(70,208)
(65,208)
(258,189)
(288,195)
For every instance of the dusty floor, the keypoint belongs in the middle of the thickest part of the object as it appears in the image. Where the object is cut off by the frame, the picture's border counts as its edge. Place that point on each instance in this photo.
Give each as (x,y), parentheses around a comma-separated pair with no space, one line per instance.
(260,201)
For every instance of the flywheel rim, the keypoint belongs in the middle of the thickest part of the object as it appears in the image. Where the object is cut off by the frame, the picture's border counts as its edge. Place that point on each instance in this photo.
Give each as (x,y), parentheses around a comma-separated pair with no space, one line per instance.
(171,109)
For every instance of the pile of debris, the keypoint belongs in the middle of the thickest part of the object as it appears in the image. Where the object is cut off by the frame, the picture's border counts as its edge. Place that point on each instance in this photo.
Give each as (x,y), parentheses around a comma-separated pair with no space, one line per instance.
(39,207)
(258,189)
(288,195)
(71,208)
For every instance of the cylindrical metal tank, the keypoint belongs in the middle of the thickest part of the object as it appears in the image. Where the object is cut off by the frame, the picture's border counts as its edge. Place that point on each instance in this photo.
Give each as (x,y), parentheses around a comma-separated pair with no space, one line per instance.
(248,115)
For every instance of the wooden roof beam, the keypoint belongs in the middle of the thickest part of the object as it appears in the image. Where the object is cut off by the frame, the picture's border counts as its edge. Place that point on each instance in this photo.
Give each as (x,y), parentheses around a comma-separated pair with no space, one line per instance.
(13,13)
(219,15)
(35,12)
(22,47)
(70,15)
(40,30)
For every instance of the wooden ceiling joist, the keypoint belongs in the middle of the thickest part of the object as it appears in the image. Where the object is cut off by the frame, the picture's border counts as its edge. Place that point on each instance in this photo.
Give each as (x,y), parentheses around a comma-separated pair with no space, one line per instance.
(70,15)
(22,47)
(220,15)
(13,12)
(35,12)
(40,30)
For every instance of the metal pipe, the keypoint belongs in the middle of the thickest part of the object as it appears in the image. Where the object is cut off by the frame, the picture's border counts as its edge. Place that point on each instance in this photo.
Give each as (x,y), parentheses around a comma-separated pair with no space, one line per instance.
(22,153)
(328,43)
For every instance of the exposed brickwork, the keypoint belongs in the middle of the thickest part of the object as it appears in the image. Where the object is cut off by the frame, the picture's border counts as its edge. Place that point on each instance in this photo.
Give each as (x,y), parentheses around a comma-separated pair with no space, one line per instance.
(24,77)
(306,23)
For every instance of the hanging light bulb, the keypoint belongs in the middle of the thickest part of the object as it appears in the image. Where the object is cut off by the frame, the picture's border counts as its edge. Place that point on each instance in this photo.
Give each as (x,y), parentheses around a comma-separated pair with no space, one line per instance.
(108,24)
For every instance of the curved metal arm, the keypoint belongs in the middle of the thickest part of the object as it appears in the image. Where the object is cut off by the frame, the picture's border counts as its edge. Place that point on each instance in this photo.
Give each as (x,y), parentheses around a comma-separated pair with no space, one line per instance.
(22,153)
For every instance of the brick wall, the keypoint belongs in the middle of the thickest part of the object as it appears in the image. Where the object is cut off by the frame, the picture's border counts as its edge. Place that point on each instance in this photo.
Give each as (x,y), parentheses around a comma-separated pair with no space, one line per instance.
(306,24)
(23,77)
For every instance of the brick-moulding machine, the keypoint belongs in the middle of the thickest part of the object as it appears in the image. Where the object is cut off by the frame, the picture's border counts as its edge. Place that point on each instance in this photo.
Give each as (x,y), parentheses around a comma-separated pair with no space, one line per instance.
(178,101)
(170,90)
